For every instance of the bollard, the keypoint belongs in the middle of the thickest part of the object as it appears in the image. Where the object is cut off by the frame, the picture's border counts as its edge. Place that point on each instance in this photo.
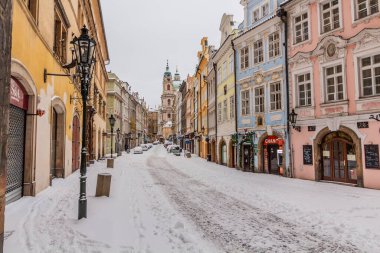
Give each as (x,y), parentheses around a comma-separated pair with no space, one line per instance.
(103,185)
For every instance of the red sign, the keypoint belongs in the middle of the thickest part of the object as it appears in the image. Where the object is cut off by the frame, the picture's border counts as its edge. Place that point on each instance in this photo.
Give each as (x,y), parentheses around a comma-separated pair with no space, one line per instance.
(273,140)
(18,96)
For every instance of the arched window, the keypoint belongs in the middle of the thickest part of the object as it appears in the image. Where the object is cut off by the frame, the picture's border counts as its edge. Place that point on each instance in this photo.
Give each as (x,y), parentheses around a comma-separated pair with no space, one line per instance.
(168,87)
(169,115)
(168,101)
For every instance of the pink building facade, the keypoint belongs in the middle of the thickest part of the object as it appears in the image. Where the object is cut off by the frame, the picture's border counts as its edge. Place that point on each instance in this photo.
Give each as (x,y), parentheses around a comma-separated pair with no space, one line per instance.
(334,82)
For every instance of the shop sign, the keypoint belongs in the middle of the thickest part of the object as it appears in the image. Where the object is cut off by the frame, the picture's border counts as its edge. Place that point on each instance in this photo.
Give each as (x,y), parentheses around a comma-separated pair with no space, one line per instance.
(18,96)
(372,156)
(273,140)
(307,154)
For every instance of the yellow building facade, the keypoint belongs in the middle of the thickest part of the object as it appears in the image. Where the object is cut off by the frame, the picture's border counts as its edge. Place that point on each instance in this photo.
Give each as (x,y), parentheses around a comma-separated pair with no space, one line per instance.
(200,81)
(49,146)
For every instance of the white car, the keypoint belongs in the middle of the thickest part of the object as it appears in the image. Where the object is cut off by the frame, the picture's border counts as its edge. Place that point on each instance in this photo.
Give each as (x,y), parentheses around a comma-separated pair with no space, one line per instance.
(144,147)
(137,150)
(168,148)
(150,145)
(172,147)
(156,143)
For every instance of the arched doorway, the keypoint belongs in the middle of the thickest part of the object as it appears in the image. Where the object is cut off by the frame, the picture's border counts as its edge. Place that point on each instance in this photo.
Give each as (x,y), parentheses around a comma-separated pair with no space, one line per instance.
(231,152)
(23,95)
(223,152)
(213,150)
(57,153)
(76,144)
(339,158)
(16,141)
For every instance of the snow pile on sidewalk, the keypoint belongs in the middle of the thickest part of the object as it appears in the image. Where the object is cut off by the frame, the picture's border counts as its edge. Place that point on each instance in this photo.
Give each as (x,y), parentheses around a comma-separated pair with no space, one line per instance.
(136,218)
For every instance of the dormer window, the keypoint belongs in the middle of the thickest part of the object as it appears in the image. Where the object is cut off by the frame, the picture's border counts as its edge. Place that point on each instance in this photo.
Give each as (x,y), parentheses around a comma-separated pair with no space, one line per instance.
(265,10)
(256,15)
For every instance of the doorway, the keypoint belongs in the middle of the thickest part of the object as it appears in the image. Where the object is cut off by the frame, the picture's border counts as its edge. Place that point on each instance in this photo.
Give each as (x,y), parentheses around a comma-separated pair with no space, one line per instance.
(273,167)
(339,158)
(247,156)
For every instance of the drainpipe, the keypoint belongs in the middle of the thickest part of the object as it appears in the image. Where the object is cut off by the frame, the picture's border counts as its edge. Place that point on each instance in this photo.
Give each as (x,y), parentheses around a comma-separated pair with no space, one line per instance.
(235,104)
(283,15)
(216,109)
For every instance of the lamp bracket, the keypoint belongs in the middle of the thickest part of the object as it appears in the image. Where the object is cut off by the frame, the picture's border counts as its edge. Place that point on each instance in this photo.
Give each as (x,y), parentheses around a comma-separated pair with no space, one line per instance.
(46,74)
(297,128)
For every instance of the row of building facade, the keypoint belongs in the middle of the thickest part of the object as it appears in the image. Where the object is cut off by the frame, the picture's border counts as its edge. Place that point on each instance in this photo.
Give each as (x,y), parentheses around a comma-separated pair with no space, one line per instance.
(45,115)
(293,90)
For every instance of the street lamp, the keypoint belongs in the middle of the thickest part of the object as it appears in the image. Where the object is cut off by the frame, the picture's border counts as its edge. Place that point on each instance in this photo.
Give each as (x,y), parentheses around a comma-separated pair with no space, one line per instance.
(83,60)
(118,141)
(112,121)
(293,120)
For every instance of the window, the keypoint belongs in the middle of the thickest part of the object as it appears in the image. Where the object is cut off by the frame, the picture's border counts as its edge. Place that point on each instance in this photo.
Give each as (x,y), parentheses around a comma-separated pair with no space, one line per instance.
(265,10)
(245,103)
(370,75)
(169,115)
(366,8)
(225,109)
(168,87)
(301,26)
(169,102)
(33,8)
(225,89)
(304,89)
(219,112)
(232,107)
(255,15)
(60,39)
(258,51)
(231,63)
(244,58)
(219,75)
(334,83)
(259,99)
(224,70)
(330,15)
(274,45)
(275,96)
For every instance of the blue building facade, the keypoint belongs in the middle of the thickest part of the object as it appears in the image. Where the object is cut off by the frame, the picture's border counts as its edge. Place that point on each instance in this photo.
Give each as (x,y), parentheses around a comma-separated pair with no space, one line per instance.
(262,138)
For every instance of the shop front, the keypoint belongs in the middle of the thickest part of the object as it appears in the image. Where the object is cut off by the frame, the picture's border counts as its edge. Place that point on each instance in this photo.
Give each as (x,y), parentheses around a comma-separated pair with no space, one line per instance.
(272,155)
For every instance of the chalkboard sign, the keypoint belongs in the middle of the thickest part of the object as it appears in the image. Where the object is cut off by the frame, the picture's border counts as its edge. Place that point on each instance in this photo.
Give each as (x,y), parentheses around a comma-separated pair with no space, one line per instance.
(372,156)
(307,154)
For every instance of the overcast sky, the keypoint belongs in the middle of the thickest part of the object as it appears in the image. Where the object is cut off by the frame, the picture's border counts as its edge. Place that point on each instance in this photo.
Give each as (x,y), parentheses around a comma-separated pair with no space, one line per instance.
(142,34)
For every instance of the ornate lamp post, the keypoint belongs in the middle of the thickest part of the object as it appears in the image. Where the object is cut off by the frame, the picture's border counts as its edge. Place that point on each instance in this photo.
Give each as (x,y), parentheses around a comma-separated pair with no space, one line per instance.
(83,59)
(112,124)
(118,142)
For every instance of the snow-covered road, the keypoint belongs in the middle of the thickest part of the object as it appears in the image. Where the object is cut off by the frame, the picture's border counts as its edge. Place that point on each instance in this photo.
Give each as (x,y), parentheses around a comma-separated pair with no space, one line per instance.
(162,203)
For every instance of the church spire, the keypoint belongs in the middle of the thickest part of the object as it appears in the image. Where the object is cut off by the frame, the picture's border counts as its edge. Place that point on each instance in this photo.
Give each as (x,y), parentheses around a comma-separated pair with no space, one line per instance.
(167,72)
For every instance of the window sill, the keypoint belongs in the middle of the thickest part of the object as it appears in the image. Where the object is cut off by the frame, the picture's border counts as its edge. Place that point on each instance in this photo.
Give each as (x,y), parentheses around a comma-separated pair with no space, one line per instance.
(368,98)
(334,103)
(325,34)
(356,22)
(302,43)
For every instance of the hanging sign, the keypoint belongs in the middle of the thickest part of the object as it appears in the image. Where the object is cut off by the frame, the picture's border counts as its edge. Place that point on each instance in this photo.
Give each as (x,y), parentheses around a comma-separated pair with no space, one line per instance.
(18,96)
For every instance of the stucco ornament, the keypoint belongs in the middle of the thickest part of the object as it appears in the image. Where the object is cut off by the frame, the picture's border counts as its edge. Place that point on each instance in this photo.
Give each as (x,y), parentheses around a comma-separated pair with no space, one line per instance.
(275,76)
(259,78)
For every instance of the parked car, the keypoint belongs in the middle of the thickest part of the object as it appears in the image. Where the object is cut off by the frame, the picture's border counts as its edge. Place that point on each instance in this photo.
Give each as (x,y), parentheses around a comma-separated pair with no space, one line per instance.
(176,150)
(137,150)
(144,147)
(168,148)
(150,145)
(156,143)
(172,147)
(167,143)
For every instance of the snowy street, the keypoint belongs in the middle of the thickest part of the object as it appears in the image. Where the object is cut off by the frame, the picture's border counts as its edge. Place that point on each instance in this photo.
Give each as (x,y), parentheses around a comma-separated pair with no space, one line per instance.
(163,203)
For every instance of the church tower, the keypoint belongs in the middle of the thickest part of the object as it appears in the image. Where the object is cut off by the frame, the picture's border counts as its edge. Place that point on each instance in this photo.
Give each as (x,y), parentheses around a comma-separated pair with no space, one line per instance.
(168,104)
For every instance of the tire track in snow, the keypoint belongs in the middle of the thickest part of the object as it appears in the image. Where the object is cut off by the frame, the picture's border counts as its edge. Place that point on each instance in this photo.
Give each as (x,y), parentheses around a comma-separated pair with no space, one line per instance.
(234,225)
